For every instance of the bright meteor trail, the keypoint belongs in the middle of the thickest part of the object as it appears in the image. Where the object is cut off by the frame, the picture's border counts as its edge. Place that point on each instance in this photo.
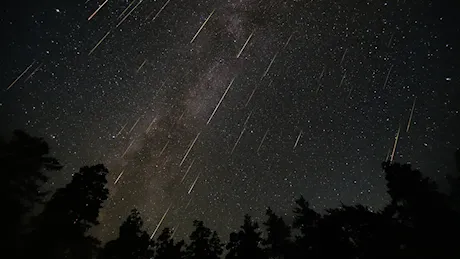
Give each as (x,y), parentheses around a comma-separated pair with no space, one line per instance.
(99,42)
(411,113)
(220,101)
(201,28)
(193,185)
(163,7)
(190,148)
(161,221)
(269,66)
(97,10)
(22,74)
(244,46)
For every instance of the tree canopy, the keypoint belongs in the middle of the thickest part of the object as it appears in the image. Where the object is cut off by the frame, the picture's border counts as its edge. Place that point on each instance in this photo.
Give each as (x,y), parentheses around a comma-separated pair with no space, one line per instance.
(418,222)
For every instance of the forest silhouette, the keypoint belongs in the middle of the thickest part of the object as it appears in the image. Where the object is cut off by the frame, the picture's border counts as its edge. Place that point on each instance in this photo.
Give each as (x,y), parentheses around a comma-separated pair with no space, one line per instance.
(418,222)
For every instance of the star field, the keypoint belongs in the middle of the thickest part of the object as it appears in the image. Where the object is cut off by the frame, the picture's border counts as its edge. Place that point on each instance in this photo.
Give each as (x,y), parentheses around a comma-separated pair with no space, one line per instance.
(213,109)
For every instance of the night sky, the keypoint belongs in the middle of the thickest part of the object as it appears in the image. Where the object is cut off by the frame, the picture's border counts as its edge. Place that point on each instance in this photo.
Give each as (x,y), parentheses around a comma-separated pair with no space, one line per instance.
(210,109)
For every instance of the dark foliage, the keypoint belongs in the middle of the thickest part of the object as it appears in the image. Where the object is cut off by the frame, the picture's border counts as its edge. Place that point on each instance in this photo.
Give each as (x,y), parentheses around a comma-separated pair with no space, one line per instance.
(204,243)
(24,161)
(70,213)
(306,220)
(246,243)
(165,248)
(277,242)
(81,199)
(419,221)
(133,242)
(427,223)
(454,182)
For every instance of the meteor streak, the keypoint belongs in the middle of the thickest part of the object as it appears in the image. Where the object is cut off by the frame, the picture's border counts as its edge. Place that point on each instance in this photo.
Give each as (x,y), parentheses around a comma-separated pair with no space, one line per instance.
(164,147)
(130,130)
(349,92)
(97,10)
(150,126)
(268,68)
(22,74)
(161,9)
(388,154)
(126,9)
(288,40)
(128,148)
(142,65)
(263,139)
(343,78)
(161,221)
(343,56)
(220,101)
(119,176)
(33,72)
(190,148)
(244,46)
(297,141)
(193,185)
(391,39)
(410,117)
(388,75)
(174,231)
(188,169)
(97,45)
(238,140)
(252,94)
(178,120)
(201,28)
(183,113)
(247,119)
(322,73)
(394,146)
(122,20)
(320,77)
(121,129)
(188,204)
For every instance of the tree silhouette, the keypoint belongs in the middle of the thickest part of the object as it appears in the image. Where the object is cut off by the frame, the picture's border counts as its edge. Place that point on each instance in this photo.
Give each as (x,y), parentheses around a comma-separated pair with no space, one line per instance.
(245,243)
(356,232)
(454,183)
(428,223)
(23,161)
(419,221)
(204,243)
(277,242)
(133,242)
(71,212)
(165,248)
(306,220)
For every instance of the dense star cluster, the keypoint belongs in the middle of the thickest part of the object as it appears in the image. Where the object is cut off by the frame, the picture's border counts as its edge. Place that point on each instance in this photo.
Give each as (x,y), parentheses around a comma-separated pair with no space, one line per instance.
(211,109)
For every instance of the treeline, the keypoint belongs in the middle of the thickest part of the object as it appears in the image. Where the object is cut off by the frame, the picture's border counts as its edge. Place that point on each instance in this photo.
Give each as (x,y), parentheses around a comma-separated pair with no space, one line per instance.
(419,222)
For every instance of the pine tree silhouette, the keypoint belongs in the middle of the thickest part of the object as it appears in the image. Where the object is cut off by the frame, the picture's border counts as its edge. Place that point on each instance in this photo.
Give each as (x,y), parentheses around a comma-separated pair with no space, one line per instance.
(355,232)
(204,243)
(133,242)
(427,222)
(62,227)
(23,161)
(277,242)
(165,248)
(419,221)
(245,243)
(307,221)
(454,183)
